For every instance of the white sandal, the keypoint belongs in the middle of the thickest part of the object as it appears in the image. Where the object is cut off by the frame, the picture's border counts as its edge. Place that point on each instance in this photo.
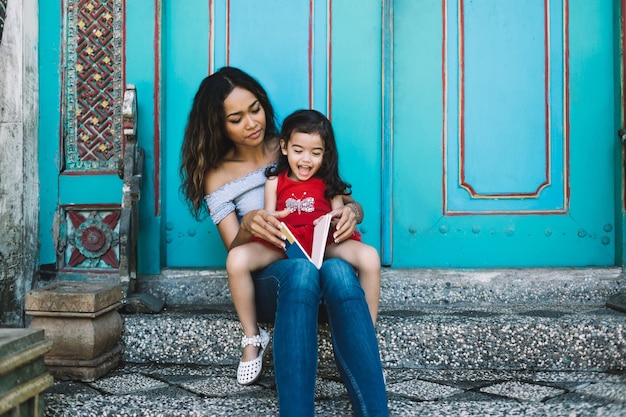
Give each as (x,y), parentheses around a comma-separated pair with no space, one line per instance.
(248,372)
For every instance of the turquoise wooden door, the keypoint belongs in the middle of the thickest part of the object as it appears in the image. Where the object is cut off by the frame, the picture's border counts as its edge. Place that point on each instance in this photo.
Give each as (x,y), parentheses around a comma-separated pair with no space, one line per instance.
(475,133)
(287,46)
(503,133)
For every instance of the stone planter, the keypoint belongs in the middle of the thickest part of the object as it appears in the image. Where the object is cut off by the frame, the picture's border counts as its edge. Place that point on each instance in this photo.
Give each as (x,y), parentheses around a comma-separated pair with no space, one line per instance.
(82,321)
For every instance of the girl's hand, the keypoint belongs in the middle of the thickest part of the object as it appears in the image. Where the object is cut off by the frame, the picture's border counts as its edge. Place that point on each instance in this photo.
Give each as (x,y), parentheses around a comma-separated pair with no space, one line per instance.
(265,225)
(345,225)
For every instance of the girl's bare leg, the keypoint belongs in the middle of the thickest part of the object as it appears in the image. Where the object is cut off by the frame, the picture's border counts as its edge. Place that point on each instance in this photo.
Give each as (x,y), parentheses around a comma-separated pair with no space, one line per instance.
(366,260)
(240,263)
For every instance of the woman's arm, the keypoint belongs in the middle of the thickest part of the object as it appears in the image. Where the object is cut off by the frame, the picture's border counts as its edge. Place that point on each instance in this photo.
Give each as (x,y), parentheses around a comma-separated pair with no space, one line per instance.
(231,233)
(349,216)
(348,201)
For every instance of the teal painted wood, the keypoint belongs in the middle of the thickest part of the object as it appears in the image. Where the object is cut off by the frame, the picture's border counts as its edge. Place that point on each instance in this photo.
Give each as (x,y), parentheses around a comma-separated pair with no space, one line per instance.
(424,232)
(505,138)
(619,21)
(143,70)
(103,189)
(49,124)
(283,44)
(401,157)
(357,77)
(184,241)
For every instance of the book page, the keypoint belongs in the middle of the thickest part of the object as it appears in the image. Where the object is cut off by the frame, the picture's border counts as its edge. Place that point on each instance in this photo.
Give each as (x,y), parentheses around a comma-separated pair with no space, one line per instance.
(320,236)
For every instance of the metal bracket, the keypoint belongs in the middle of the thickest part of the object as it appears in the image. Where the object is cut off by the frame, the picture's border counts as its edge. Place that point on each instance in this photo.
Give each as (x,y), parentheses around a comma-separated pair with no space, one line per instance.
(130,169)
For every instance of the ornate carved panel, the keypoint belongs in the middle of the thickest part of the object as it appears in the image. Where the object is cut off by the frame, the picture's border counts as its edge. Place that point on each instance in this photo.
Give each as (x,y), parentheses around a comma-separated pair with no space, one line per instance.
(90,238)
(93,87)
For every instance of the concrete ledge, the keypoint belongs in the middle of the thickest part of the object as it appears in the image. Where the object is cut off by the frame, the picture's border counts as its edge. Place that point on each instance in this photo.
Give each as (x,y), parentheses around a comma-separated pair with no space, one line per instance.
(422,287)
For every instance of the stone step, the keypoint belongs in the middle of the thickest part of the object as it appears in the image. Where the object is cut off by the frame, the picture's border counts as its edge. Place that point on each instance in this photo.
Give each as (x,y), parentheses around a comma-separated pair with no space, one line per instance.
(538,337)
(408,288)
(537,319)
(179,390)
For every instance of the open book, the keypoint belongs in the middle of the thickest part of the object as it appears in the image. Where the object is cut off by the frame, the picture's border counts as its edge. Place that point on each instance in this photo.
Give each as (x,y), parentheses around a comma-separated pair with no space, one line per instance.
(294,249)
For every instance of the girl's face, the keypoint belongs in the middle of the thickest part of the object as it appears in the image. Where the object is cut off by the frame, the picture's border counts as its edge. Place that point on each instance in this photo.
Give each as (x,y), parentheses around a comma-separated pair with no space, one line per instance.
(304,152)
(244,118)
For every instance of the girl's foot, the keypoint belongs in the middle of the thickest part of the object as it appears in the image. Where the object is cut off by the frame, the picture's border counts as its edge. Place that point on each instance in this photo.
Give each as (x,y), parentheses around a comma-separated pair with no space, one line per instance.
(250,370)
(249,353)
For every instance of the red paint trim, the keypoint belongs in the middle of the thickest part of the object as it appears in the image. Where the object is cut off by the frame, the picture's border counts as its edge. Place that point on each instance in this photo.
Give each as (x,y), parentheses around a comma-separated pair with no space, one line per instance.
(623,32)
(623,90)
(156,100)
(210,38)
(463,182)
(546,94)
(506,213)
(123,68)
(462,96)
(62,92)
(444,94)
(566,134)
(123,60)
(227,32)
(75,173)
(329,60)
(101,207)
(310,49)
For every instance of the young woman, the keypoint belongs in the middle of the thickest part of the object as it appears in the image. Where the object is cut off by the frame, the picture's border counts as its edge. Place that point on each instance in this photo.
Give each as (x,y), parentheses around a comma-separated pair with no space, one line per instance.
(229,141)
(306,181)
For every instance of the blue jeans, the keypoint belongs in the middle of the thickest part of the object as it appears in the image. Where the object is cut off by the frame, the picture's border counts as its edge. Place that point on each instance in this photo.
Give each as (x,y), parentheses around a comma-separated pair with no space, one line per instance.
(289,293)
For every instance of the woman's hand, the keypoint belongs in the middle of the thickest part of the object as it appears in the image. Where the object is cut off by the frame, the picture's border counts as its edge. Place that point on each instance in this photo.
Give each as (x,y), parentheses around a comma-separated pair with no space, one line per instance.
(346,223)
(265,225)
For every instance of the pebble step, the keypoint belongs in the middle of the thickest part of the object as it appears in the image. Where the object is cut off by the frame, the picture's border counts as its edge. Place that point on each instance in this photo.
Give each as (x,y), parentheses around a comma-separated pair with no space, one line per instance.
(408,288)
(551,319)
(580,337)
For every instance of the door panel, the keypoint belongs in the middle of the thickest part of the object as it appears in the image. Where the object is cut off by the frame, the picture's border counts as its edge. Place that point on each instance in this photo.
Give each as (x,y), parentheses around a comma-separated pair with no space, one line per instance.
(501,111)
(284,44)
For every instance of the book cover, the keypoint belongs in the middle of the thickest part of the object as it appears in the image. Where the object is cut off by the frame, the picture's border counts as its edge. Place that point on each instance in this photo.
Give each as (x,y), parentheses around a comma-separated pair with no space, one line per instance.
(294,249)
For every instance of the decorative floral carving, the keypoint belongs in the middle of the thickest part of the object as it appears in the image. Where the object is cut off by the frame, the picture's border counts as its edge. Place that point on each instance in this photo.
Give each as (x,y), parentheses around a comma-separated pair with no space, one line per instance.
(93,239)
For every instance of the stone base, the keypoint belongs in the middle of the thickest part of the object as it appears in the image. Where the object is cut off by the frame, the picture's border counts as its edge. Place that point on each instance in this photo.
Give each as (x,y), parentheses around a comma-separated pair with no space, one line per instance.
(84,370)
(23,376)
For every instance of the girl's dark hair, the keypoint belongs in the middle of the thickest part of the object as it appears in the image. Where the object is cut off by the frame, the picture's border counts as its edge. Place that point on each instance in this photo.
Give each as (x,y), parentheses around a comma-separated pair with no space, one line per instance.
(314,122)
(206,143)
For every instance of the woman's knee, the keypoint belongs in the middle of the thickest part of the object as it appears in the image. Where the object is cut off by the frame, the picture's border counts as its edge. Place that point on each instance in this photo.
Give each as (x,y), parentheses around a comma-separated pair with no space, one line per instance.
(302,276)
(339,280)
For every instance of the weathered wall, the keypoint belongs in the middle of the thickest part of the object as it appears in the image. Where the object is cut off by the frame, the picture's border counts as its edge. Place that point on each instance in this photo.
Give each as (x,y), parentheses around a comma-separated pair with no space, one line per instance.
(19,184)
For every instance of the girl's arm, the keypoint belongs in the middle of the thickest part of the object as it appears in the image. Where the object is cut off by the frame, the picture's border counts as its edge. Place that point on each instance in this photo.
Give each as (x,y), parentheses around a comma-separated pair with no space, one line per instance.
(270,193)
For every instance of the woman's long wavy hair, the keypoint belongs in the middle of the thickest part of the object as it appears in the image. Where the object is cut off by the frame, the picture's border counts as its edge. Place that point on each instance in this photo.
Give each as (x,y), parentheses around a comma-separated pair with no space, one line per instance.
(205,143)
(314,122)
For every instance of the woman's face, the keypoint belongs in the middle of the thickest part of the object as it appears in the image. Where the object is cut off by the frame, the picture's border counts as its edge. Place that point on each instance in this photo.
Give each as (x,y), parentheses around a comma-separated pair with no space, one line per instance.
(244,118)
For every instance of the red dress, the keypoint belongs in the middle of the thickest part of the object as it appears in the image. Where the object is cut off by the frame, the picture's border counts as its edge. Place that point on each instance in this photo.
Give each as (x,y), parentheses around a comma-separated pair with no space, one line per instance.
(307,202)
